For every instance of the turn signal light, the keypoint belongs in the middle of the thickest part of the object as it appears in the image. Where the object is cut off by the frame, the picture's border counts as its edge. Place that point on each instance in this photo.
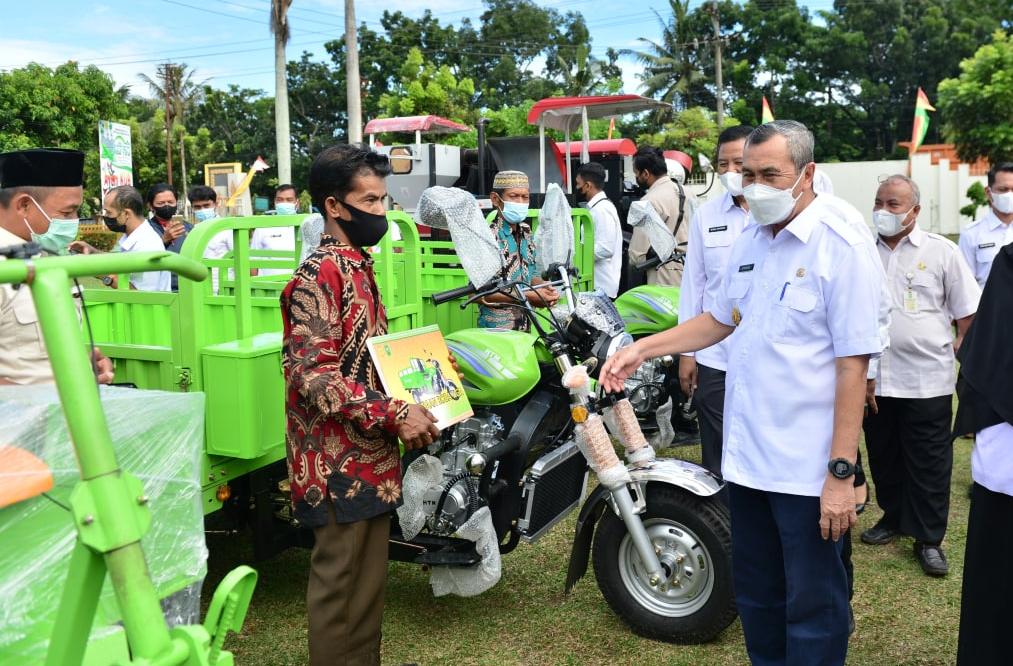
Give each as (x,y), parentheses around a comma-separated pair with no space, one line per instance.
(223,493)
(579,413)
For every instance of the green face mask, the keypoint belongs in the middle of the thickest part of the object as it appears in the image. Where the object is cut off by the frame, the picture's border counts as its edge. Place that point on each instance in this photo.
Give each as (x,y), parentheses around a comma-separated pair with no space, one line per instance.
(59,235)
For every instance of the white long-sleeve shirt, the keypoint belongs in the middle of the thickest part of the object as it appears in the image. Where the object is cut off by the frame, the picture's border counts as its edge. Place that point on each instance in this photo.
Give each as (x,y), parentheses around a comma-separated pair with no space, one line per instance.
(980,242)
(608,244)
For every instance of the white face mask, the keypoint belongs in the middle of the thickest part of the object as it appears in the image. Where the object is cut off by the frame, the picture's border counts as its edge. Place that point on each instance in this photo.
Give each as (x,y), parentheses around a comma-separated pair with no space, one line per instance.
(1003,202)
(890,224)
(769,205)
(732,182)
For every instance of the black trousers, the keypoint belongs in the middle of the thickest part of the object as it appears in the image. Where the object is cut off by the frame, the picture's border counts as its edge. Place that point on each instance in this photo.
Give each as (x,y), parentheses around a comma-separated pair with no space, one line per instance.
(911,457)
(986,603)
(710,407)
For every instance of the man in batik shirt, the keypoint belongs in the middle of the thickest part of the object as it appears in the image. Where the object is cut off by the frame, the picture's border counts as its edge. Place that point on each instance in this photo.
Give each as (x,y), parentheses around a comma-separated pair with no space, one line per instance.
(342,440)
(510,197)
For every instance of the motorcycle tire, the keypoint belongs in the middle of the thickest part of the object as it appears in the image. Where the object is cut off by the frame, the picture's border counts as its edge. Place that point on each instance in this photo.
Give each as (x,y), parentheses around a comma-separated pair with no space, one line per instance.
(694,612)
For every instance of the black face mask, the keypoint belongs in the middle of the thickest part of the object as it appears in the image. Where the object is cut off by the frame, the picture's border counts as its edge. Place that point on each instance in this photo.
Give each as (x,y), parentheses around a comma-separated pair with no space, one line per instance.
(113,225)
(364,229)
(164,212)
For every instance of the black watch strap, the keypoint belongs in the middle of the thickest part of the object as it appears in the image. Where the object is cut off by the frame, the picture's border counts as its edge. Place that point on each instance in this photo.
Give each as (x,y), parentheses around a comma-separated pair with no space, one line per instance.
(842,468)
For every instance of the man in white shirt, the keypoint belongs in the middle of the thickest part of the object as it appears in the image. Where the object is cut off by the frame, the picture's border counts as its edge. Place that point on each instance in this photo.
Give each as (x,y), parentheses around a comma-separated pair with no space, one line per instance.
(712,231)
(803,290)
(286,202)
(123,212)
(608,235)
(981,240)
(986,409)
(908,435)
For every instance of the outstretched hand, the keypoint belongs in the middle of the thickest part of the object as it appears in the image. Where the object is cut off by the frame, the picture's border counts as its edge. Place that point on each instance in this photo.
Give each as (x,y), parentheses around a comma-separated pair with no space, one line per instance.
(620,367)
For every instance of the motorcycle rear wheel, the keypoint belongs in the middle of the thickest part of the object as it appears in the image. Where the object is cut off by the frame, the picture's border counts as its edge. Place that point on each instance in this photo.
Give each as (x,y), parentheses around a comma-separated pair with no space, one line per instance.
(693,535)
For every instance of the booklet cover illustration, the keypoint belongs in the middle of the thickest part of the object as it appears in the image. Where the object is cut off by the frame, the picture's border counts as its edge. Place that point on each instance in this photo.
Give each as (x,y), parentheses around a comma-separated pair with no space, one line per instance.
(414,366)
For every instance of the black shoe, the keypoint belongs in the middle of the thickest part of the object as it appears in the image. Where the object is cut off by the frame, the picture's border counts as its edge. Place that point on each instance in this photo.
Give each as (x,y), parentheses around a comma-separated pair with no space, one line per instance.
(932,559)
(851,620)
(879,535)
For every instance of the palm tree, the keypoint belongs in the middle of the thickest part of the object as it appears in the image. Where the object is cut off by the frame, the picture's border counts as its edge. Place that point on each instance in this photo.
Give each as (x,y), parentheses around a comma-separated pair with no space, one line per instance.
(583,75)
(669,66)
(174,87)
(282,132)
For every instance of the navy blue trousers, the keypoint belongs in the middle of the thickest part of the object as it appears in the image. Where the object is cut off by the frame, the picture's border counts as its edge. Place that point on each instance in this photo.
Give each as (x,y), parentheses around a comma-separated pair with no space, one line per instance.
(790,585)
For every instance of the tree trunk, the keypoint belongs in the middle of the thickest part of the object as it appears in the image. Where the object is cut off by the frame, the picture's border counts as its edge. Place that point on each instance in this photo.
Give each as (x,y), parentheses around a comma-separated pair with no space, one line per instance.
(282,137)
(354,89)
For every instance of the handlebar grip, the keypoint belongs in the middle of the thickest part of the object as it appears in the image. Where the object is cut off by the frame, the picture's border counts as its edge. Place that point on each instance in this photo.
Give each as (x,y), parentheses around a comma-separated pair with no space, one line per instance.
(653,262)
(441,297)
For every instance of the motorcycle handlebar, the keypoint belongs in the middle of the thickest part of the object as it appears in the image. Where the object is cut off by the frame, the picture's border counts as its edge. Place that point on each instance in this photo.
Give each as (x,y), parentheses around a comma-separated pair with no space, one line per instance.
(653,262)
(441,297)
(12,272)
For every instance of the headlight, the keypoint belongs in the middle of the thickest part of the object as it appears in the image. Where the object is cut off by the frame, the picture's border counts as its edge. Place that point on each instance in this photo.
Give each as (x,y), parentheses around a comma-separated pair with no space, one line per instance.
(607,345)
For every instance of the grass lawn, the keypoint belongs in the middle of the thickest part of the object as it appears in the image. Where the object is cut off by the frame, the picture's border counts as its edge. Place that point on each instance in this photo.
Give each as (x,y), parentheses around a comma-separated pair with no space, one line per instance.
(903,616)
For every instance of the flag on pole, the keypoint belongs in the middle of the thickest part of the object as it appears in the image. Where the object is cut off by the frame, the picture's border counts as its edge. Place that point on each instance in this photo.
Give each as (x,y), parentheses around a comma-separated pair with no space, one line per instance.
(258,165)
(921,122)
(612,126)
(766,116)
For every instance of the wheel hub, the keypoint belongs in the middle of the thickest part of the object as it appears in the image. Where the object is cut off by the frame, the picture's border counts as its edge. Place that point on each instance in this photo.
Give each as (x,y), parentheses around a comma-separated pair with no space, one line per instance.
(686,565)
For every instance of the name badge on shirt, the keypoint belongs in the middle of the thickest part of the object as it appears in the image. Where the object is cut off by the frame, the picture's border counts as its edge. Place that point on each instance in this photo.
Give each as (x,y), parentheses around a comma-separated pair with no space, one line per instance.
(745,268)
(714,230)
(982,246)
(910,301)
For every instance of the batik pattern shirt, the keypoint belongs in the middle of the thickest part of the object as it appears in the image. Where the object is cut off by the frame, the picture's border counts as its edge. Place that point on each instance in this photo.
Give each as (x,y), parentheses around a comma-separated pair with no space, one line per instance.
(518,253)
(341,437)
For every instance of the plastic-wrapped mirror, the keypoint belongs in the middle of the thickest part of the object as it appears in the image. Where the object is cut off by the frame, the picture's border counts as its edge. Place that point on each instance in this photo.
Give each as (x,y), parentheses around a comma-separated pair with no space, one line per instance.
(554,236)
(311,230)
(453,209)
(643,215)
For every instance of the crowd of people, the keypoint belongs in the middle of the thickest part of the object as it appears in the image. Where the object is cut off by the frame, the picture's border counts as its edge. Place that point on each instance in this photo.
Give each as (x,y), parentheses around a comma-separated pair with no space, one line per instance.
(799,330)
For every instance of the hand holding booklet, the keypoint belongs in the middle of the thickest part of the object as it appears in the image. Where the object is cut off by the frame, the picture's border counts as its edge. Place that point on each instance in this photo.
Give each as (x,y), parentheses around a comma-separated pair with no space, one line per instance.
(414,366)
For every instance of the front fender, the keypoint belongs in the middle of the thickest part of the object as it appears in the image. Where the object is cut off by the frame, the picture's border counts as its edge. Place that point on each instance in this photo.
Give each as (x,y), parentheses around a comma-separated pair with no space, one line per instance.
(679,473)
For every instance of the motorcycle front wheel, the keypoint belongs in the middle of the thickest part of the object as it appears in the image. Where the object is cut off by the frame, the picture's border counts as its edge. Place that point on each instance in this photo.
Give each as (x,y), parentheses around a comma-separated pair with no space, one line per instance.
(692,536)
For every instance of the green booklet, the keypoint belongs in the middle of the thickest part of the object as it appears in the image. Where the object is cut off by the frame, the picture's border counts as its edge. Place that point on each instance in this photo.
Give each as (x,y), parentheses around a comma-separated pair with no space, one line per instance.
(414,366)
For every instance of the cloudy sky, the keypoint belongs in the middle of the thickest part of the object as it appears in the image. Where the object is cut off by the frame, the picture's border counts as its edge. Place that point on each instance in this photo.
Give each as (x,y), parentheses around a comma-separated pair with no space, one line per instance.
(227,41)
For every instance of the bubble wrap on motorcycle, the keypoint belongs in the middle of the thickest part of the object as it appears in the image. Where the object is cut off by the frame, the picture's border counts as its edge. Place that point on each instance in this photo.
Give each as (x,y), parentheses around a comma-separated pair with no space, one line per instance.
(554,236)
(425,472)
(455,210)
(642,214)
(598,310)
(622,423)
(472,581)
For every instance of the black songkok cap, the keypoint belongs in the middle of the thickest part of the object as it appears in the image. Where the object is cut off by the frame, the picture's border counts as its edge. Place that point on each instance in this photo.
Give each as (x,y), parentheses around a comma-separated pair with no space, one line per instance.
(42,167)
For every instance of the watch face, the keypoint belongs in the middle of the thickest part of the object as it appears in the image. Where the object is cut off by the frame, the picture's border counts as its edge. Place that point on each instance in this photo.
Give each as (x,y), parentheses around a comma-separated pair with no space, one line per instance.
(841,468)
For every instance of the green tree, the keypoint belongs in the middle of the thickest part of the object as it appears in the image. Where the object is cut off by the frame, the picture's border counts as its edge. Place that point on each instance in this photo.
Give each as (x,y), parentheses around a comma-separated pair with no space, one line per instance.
(693,131)
(976,193)
(976,107)
(425,88)
(60,107)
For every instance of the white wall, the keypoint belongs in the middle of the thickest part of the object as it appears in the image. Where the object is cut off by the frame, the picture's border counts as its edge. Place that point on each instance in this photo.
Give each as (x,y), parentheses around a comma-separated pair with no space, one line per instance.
(942,190)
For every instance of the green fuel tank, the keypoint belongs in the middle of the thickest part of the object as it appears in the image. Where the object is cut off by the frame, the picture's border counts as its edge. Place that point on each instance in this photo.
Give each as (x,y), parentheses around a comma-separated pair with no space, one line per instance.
(498,366)
(649,309)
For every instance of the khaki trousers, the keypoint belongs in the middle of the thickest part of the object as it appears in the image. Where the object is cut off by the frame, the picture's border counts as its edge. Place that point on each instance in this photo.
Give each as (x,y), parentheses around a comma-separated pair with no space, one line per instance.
(348,573)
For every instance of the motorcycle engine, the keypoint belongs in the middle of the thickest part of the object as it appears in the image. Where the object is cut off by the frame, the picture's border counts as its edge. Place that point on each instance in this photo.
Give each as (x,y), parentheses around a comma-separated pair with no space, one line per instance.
(459,488)
(646,386)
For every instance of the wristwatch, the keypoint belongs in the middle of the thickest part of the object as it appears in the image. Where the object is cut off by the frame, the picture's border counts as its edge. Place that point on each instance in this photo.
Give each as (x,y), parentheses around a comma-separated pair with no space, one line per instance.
(842,468)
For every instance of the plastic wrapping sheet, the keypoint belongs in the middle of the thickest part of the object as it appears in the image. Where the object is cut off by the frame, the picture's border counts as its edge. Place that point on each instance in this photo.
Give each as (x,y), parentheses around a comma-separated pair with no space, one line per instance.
(594,442)
(425,472)
(666,433)
(643,215)
(472,581)
(455,210)
(311,230)
(622,421)
(553,238)
(598,310)
(158,437)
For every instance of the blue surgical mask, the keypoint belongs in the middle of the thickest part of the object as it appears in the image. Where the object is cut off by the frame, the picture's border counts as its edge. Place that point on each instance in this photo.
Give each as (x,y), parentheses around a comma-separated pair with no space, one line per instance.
(514,213)
(59,235)
(205,214)
(284,208)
